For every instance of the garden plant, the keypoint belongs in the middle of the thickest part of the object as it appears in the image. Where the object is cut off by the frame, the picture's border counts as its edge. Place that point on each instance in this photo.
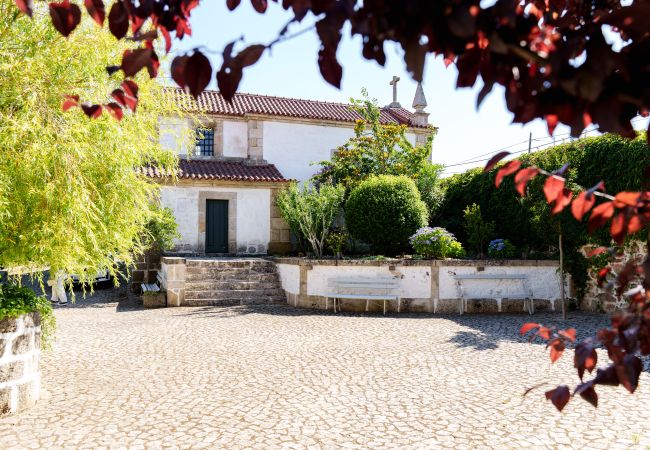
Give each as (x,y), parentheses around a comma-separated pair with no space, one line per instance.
(310,211)
(436,243)
(501,249)
(385,211)
(17,300)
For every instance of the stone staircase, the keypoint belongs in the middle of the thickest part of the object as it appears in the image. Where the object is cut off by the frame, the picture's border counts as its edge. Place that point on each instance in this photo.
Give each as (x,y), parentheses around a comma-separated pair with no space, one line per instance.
(225,282)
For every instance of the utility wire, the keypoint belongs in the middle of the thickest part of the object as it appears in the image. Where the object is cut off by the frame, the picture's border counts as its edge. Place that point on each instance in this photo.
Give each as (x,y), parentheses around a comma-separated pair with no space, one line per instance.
(550,141)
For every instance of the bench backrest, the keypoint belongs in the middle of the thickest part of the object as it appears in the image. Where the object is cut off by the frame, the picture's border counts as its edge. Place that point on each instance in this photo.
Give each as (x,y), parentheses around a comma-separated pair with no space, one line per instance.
(364,284)
(491,277)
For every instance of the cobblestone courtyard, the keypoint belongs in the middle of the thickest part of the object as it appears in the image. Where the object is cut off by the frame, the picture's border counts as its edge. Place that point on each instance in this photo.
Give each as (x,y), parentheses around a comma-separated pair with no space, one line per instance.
(277,377)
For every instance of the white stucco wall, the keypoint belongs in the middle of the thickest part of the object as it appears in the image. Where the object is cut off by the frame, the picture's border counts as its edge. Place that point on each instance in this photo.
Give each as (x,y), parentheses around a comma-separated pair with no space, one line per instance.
(414,282)
(292,147)
(253,213)
(289,277)
(235,138)
(543,280)
(174,133)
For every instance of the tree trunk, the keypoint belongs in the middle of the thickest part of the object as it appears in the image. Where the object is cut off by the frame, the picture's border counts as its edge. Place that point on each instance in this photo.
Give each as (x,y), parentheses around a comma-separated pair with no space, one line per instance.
(562,293)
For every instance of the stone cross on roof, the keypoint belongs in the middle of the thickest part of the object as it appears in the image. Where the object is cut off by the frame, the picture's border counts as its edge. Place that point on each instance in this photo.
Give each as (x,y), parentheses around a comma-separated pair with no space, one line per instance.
(395,103)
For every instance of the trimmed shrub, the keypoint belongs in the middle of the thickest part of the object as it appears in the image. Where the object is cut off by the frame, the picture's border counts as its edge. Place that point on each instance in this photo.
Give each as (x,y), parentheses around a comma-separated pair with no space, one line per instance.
(436,243)
(527,221)
(385,211)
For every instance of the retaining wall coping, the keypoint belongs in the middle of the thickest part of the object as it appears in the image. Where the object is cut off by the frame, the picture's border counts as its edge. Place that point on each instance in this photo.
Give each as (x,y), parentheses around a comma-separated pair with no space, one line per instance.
(418,262)
(170,260)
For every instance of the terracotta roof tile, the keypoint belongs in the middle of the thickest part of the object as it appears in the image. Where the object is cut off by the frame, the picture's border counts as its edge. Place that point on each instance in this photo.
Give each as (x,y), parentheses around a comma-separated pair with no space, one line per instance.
(202,169)
(212,102)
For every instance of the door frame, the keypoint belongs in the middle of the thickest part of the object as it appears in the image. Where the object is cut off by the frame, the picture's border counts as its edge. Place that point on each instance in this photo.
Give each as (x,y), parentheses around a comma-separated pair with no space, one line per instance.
(231,197)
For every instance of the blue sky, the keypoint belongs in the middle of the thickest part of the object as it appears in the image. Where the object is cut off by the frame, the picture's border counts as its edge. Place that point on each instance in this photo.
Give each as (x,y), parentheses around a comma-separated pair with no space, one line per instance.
(291,70)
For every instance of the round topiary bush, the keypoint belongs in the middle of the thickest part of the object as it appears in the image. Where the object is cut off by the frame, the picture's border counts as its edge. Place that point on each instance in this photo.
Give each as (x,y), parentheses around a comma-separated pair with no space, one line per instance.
(385,211)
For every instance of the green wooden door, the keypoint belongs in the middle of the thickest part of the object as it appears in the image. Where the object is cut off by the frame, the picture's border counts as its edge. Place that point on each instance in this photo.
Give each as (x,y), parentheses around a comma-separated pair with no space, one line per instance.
(216,226)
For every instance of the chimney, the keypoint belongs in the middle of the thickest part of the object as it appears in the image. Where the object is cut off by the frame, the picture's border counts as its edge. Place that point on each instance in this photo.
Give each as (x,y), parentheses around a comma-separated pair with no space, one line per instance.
(420,117)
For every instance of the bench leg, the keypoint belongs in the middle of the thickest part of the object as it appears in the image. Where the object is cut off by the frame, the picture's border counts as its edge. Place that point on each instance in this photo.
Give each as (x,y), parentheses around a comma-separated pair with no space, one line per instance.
(367,301)
(399,303)
(532,305)
(499,300)
(384,307)
(461,306)
(435,305)
(552,300)
(327,303)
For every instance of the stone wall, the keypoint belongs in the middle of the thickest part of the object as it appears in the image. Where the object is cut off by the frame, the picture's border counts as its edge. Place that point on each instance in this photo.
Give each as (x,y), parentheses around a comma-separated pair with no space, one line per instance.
(20,348)
(424,286)
(599,299)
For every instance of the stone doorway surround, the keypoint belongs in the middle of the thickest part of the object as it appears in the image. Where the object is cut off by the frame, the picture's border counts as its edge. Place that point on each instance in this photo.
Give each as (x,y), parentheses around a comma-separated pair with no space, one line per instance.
(231,197)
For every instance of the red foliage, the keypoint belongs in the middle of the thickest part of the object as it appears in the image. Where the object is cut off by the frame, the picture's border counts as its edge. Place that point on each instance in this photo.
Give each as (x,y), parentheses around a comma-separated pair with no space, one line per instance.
(528,46)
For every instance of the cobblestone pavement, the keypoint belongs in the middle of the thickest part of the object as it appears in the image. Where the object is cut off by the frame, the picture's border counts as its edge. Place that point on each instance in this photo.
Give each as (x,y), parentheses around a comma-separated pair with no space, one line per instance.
(277,377)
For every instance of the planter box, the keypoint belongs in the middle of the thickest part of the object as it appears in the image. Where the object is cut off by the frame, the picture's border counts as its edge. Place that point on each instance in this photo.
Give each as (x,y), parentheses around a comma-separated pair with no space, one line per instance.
(423,283)
(154,300)
(20,349)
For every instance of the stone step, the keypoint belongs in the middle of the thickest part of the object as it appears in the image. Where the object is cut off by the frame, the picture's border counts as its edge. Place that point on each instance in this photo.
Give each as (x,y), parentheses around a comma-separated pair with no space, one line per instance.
(239,285)
(233,301)
(229,264)
(230,270)
(232,294)
(265,277)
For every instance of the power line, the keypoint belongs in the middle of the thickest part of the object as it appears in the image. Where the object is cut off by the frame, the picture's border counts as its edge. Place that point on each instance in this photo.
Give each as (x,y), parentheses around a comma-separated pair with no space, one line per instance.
(551,140)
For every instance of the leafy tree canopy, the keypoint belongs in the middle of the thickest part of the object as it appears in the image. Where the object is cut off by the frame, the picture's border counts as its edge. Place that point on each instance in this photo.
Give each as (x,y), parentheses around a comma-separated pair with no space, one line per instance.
(71,197)
(377,149)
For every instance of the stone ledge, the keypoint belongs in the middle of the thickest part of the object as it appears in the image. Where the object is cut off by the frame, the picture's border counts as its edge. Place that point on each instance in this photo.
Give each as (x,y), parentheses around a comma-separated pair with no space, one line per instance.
(416,262)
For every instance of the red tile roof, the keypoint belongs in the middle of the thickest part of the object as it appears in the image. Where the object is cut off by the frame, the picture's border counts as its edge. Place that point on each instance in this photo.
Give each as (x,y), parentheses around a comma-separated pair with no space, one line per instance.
(212,102)
(205,169)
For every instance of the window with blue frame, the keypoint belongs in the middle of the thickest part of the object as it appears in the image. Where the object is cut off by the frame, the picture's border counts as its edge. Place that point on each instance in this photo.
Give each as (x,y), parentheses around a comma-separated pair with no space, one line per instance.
(205,141)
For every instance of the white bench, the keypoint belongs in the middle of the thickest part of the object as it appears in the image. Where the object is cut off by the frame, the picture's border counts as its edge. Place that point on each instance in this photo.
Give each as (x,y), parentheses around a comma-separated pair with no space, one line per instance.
(152,287)
(367,289)
(149,287)
(524,293)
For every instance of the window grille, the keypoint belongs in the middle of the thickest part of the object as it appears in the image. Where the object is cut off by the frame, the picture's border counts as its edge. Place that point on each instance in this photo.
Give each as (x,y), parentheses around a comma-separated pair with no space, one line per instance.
(205,141)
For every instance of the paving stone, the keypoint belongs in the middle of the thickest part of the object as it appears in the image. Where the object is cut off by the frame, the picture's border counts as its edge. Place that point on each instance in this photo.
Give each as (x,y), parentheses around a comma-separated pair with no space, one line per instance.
(120,376)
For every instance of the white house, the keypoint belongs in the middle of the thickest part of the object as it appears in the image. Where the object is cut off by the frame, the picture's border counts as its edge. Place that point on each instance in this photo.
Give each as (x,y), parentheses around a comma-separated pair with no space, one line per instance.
(245,152)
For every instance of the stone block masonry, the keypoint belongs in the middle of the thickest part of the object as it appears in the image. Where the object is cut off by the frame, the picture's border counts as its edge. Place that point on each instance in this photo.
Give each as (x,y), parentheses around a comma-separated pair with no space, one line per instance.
(20,348)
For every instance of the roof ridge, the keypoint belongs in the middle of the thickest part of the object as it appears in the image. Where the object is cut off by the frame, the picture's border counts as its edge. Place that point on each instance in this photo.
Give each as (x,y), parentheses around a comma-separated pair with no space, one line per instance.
(222,161)
(278,97)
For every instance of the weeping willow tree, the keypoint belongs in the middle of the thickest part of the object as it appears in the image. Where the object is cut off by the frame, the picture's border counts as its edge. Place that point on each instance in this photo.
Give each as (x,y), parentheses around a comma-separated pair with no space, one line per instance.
(71,198)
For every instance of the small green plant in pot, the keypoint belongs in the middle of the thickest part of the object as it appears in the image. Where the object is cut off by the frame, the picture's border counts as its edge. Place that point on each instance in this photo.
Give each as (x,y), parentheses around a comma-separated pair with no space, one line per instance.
(436,243)
(501,249)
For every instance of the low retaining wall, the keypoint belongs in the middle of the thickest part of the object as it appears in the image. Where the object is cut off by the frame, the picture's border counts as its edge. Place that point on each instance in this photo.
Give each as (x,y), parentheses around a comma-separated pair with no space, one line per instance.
(20,349)
(423,284)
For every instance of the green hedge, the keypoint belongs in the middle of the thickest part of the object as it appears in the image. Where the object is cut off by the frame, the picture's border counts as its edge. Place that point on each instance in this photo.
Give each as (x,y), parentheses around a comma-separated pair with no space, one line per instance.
(526,222)
(385,211)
